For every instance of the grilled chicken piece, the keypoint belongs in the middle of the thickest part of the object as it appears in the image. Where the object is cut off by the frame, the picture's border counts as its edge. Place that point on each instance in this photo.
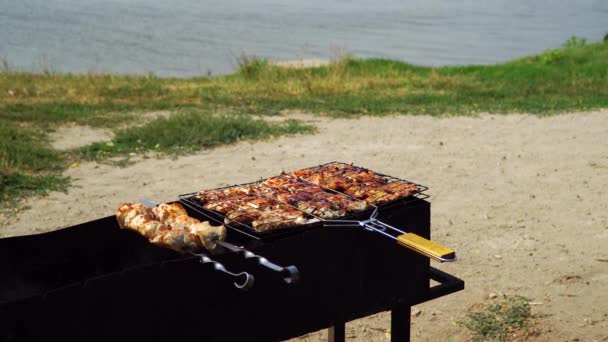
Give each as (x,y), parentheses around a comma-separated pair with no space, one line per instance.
(127,212)
(168,225)
(377,197)
(379,194)
(402,189)
(310,198)
(250,204)
(175,216)
(139,218)
(147,226)
(245,217)
(263,218)
(179,240)
(274,218)
(357,182)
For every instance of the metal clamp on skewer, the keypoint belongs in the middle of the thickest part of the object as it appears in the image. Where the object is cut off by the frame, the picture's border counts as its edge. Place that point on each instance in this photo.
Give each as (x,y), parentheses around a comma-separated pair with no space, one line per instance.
(243,281)
(290,274)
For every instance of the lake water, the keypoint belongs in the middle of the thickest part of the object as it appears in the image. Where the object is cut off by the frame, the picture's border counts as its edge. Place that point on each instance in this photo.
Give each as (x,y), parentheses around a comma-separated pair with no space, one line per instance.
(193,37)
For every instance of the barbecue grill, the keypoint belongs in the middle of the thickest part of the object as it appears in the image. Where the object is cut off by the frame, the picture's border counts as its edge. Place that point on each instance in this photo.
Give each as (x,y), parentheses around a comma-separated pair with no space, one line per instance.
(94,281)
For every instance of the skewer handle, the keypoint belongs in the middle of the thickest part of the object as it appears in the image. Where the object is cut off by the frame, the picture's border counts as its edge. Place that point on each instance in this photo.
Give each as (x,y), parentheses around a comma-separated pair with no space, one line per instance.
(290,274)
(426,247)
(242,281)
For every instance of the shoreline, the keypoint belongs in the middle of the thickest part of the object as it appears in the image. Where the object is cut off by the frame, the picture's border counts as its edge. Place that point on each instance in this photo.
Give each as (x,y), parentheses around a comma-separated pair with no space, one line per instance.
(302,63)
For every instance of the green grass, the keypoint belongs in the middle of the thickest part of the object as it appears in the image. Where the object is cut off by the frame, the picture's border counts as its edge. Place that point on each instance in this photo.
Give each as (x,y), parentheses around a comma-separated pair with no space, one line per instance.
(49,115)
(27,165)
(16,186)
(574,77)
(501,320)
(190,131)
(571,78)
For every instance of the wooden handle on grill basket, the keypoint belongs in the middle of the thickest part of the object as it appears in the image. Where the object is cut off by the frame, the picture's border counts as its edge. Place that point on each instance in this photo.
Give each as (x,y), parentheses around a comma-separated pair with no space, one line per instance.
(426,247)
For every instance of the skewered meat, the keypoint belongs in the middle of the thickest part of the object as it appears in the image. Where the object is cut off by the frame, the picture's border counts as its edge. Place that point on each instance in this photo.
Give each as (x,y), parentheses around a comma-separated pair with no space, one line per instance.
(179,240)
(139,218)
(175,216)
(169,226)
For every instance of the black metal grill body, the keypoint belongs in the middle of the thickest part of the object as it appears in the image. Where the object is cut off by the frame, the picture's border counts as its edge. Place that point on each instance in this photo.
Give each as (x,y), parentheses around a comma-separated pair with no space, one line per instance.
(96,282)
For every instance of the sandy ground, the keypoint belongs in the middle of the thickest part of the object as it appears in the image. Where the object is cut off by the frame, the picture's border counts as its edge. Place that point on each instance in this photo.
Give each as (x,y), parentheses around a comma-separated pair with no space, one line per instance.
(68,137)
(523,200)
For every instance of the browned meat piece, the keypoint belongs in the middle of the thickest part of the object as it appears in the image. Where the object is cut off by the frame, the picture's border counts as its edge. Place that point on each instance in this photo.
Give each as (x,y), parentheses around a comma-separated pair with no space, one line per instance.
(127,212)
(402,189)
(251,205)
(178,240)
(278,217)
(357,182)
(310,198)
(243,216)
(169,226)
(203,234)
(139,218)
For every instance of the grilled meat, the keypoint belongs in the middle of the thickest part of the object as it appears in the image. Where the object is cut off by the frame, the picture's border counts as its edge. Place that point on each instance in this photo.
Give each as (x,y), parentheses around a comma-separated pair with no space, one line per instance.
(249,205)
(175,216)
(139,218)
(357,182)
(179,240)
(310,198)
(169,226)
(270,204)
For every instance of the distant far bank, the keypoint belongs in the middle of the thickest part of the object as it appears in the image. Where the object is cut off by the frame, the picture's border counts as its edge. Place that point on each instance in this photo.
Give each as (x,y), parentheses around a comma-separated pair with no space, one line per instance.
(302,63)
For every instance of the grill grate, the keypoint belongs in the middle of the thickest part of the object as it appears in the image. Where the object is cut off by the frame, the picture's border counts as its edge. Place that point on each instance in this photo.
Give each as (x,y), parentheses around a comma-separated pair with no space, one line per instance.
(421,188)
(191,202)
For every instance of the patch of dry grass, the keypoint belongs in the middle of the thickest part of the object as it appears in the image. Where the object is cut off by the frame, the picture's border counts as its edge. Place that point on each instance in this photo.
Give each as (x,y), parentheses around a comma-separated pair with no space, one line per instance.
(508,318)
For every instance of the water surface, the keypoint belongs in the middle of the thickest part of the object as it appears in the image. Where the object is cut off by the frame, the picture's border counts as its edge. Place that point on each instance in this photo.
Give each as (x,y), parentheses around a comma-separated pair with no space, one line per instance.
(193,37)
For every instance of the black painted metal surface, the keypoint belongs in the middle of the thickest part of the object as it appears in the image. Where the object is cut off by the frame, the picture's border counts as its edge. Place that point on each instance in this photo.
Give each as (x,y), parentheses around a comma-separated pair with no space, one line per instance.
(94,281)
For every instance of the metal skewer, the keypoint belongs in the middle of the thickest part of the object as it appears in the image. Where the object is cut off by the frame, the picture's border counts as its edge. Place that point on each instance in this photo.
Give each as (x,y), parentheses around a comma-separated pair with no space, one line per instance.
(243,280)
(290,274)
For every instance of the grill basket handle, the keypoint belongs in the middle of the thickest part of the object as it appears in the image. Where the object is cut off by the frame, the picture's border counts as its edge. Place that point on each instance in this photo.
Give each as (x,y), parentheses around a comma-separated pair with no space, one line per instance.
(416,243)
(426,247)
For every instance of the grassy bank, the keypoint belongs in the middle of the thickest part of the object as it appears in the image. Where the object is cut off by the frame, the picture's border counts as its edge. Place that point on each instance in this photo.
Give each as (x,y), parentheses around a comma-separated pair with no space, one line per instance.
(213,110)
(566,79)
